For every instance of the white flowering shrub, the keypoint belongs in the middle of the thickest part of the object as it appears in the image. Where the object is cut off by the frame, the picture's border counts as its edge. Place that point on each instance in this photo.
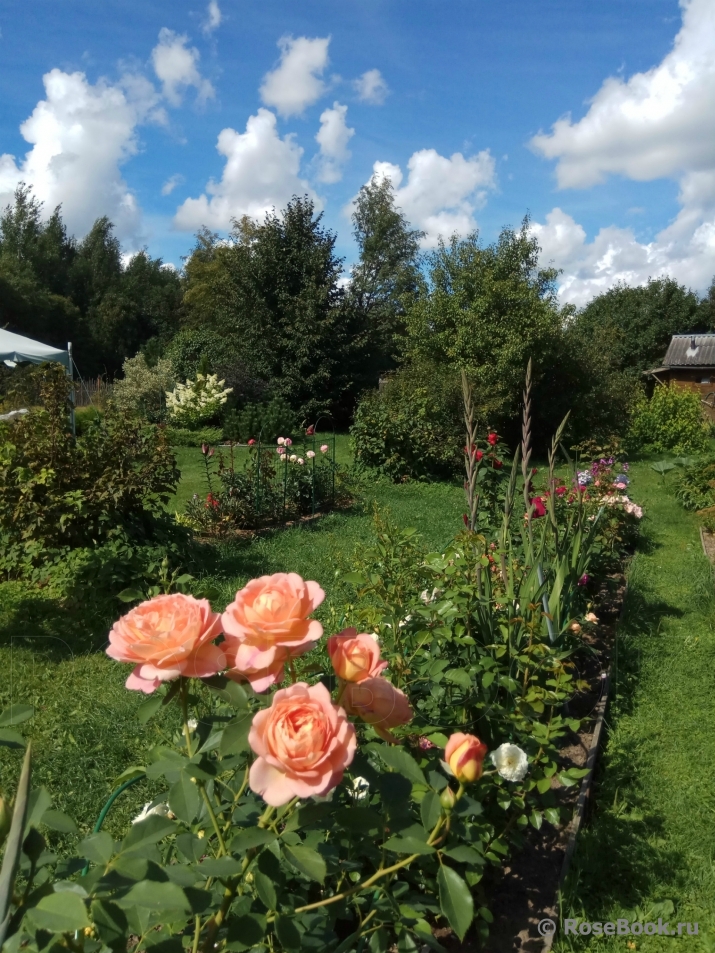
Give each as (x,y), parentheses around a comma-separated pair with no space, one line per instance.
(197,402)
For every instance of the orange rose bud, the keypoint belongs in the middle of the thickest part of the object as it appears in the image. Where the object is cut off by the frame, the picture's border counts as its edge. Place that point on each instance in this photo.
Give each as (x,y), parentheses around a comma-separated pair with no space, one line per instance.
(465,755)
(355,657)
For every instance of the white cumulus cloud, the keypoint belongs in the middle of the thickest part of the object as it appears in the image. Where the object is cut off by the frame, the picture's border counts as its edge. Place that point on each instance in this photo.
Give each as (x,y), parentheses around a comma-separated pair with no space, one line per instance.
(80,135)
(297,80)
(685,250)
(651,125)
(333,138)
(656,124)
(176,67)
(441,194)
(371,87)
(261,172)
(213,18)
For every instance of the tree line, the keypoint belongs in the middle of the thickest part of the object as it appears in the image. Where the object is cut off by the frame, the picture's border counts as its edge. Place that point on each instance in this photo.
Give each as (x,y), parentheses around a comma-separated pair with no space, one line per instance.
(273,310)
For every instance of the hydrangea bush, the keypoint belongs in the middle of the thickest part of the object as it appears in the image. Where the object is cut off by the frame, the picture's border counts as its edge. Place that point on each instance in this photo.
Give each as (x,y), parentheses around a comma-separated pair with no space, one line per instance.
(197,402)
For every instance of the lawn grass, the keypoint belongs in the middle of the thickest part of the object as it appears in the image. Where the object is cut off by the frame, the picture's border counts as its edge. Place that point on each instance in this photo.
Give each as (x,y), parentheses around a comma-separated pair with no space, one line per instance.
(652,833)
(85,732)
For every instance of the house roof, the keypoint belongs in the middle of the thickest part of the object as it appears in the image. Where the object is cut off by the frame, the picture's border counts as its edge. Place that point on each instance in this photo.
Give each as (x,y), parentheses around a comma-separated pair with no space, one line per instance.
(691,350)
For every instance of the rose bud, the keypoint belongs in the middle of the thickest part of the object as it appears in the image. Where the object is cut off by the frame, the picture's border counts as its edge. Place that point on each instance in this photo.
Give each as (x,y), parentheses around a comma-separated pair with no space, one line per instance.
(355,657)
(447,799)
(465,755)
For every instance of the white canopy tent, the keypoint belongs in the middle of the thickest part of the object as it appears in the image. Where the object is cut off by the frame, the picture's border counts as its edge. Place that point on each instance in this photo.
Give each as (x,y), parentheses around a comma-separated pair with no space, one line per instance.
(15,349)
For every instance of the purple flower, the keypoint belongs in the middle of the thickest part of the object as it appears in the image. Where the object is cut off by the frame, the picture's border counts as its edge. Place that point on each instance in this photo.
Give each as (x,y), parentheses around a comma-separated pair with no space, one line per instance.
(583,581)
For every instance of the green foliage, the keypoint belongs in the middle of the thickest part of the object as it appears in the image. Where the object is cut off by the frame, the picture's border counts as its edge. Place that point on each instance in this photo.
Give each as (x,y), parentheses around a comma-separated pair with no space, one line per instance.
(183,437)
(55,289)
(487,310)
(57,493)
(413,427)
(265,422)
(633,326)
(695,485)
(142,390)
(672,420)
(272,293)
(385,278)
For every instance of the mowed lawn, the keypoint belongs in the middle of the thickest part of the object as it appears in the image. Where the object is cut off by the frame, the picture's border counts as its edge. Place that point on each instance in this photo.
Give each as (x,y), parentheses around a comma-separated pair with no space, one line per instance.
(85,732)
(648,849)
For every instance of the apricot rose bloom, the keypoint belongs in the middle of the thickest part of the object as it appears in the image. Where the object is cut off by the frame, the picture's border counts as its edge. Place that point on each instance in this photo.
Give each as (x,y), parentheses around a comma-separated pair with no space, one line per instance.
(267,624)
(465,756)
(355,657)
(378,703)
(304,743)
(167,637)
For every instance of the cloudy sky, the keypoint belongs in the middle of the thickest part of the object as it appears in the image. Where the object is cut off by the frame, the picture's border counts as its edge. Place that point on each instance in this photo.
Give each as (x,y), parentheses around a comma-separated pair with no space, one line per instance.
(596,118)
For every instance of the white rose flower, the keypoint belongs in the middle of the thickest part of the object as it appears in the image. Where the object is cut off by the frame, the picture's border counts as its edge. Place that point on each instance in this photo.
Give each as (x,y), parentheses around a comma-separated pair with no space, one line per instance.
(510,761)
(161,809)
(293,457)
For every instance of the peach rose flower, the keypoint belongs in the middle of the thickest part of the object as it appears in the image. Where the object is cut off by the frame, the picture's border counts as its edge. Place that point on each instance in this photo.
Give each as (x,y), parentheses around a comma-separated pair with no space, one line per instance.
(266,624)
(378,703)
(355,657)
(304,743)
(465,754)
(167,637)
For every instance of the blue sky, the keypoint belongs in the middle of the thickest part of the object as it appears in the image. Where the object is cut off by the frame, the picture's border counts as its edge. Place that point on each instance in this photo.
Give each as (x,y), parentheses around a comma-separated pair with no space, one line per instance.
(597,118)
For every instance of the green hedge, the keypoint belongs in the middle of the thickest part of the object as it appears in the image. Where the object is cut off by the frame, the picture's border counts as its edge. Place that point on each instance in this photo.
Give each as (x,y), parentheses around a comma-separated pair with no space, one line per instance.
(672,420)
(181,437)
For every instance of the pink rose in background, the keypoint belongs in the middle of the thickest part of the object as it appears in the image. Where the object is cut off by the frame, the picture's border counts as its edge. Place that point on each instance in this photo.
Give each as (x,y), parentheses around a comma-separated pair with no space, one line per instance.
(167,637)
(266,624)
(621,485)
(311,454)
(281,451)
(355,657)
(300,460)
(281,441)
(379,704)
(324,448)
(304,744)
(288,442)
(251,442)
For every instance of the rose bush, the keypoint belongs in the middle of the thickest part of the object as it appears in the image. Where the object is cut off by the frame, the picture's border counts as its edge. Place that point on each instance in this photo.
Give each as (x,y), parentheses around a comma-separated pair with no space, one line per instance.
(362,792)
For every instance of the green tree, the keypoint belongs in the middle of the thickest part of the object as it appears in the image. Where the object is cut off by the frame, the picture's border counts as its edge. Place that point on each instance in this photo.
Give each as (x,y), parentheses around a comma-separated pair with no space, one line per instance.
(487,309)
(634,325)
(385,278)
(273,292)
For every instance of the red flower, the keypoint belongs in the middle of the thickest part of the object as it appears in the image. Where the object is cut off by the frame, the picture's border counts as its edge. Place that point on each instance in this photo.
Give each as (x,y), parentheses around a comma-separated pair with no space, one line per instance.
(493,439)
(538,504)
(211,500)
(497,464)
(560,490)
(251,442)
(204,448)
(310,431)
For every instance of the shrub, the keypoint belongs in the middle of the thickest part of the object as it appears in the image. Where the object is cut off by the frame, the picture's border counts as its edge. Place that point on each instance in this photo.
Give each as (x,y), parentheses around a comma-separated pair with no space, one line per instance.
(142,390)
(197,402)
(183,437)
(56,492)
(264,421)
(413,428)
(695,486)
(672,420)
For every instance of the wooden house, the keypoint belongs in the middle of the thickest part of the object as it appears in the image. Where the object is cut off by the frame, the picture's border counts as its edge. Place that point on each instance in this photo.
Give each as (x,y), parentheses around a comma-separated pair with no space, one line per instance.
(690,362)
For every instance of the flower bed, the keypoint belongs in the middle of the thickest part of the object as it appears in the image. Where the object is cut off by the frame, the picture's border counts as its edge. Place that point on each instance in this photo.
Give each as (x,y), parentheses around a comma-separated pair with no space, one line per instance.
(335,793)
(277,483)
